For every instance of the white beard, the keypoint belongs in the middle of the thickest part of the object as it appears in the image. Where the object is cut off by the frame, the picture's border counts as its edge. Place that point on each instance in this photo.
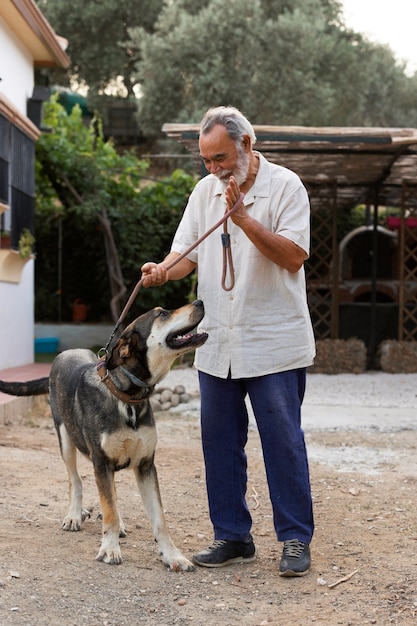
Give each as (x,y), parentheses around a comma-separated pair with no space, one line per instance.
(240,172)
(242,168)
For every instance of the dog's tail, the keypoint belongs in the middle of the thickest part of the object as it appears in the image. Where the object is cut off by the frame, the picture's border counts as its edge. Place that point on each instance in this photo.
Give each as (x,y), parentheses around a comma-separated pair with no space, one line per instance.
(29,388)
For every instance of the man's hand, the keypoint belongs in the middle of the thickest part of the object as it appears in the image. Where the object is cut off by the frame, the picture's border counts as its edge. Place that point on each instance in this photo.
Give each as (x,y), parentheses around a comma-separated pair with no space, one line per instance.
(154,274)
(232,196)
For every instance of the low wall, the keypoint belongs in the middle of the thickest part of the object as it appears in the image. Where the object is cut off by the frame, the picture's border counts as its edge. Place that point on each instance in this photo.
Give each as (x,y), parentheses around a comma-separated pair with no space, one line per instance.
(75,335)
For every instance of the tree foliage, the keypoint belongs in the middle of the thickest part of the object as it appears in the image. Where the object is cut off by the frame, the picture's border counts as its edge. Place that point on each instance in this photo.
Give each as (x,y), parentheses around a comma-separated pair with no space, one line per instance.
(281,62)
(97,34)
(96,223)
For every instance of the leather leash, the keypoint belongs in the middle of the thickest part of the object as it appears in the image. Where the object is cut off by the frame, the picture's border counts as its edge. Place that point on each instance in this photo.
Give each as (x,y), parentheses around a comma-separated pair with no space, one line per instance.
(227,263)
(227,257)
(227,260)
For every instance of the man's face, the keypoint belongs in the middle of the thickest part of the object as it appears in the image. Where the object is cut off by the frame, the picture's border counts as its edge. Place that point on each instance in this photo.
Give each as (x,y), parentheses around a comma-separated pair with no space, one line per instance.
(222,157)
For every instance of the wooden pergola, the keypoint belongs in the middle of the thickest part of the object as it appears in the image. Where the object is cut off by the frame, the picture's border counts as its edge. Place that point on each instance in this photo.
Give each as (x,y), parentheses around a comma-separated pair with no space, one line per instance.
(343,168)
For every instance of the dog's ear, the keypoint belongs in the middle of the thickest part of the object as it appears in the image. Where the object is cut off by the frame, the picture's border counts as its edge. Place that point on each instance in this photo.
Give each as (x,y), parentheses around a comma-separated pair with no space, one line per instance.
(129,344)
(124,351)
(118,354)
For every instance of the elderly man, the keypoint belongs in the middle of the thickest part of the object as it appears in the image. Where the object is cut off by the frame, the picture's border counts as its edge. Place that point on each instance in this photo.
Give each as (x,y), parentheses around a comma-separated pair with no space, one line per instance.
(260,337)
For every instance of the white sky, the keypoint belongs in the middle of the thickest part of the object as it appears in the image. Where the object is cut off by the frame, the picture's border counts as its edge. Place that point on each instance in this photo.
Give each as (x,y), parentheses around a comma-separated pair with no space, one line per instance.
(392,22)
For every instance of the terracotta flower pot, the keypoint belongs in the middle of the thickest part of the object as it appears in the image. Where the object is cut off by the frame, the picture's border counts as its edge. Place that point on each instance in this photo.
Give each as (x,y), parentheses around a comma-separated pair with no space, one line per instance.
(5,241)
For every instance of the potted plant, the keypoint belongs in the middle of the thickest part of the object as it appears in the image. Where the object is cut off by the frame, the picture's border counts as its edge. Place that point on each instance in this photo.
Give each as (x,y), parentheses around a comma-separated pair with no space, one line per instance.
(26,241)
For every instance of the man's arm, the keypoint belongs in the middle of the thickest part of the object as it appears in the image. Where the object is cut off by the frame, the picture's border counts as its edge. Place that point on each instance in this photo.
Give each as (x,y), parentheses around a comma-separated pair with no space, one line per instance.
(278,249)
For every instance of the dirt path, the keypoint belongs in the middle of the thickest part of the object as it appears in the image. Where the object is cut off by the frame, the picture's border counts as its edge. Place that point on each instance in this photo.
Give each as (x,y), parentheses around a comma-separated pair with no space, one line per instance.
(366,529)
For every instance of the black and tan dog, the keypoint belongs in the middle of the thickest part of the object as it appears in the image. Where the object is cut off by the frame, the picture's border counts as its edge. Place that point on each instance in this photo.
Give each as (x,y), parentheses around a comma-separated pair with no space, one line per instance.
(103,410)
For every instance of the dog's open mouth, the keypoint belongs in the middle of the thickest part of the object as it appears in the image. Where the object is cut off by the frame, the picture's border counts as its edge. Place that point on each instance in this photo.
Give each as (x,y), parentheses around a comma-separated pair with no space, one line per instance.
(186,340)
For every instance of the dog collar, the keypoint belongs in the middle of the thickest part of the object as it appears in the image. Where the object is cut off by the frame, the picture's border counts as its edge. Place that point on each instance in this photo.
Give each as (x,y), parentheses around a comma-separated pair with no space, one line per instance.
(118,393)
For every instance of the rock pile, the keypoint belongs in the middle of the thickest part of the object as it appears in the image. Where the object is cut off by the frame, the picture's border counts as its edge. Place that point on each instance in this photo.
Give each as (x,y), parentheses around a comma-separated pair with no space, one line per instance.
(165,398)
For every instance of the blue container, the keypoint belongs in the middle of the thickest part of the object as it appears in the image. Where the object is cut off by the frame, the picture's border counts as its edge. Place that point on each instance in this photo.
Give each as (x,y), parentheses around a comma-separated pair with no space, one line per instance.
(46,345)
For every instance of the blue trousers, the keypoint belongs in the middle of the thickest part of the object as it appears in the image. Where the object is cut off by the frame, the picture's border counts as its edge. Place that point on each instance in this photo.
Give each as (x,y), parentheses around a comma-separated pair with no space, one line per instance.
(276,401)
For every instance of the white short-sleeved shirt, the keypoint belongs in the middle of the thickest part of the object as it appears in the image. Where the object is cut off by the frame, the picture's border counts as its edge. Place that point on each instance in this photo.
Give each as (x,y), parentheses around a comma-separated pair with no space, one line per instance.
(262,326)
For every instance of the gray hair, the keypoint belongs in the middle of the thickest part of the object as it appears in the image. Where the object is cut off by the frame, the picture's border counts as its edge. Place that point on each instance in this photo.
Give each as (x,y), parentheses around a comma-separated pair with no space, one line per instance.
(232,119)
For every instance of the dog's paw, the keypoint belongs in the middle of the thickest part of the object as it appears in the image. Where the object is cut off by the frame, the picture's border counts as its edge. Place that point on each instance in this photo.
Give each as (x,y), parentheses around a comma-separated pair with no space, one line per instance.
(179,564)
(110,552)
(71,523)
(111,557)
(86,514)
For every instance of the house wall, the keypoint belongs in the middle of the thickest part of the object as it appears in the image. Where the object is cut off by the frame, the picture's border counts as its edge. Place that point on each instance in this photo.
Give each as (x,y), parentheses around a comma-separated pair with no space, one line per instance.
(17,320)
(16,298)
(16,69)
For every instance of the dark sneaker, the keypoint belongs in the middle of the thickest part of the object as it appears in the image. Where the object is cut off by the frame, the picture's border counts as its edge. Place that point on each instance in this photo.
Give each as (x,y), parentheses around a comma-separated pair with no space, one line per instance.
(295,560)
(223,552)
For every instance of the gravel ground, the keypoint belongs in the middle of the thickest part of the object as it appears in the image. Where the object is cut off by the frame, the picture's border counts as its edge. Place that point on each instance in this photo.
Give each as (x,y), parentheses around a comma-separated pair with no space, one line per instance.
(361,434)
(369,400)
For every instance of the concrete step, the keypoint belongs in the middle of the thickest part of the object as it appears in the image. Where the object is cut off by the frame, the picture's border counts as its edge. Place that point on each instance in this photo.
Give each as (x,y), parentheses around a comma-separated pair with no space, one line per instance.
(12,407)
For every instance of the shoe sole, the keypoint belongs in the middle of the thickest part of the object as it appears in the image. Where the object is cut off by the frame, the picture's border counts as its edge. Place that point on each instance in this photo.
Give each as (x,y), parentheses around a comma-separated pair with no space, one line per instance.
(289,573)
(237,559)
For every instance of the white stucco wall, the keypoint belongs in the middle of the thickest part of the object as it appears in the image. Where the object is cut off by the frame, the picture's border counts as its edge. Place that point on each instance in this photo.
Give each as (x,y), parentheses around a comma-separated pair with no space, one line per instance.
(16,69)
(16,299)
(17,320)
